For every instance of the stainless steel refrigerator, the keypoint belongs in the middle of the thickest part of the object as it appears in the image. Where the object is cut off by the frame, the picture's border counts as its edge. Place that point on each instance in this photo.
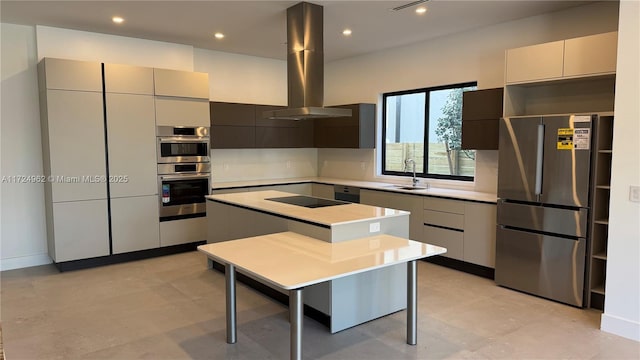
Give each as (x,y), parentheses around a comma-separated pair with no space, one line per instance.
(543,191)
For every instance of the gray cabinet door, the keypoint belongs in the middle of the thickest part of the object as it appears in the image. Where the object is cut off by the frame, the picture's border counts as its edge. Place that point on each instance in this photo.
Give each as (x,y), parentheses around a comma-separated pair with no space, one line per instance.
(135,223)
(80,230)
(565,174)
(517,158)
(76,148)
(132,145)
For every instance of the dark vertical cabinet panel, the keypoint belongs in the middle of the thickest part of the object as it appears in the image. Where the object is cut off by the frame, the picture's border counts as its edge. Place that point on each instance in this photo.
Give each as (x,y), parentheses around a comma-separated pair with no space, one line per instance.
(356,131)
(481,111)
(232,125)
(238,126)
(279,133)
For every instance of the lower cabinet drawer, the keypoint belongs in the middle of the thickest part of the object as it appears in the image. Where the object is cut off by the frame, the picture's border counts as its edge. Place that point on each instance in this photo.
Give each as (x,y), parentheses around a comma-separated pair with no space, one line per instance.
(451,239)
(183,231)
(454,221)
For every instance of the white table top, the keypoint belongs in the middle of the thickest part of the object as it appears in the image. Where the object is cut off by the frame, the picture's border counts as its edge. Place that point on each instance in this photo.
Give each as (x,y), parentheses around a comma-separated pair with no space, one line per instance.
(327,216)
(289,260)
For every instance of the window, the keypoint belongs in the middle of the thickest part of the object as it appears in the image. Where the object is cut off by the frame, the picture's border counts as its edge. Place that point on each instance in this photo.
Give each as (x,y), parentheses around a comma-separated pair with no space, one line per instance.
(425,125)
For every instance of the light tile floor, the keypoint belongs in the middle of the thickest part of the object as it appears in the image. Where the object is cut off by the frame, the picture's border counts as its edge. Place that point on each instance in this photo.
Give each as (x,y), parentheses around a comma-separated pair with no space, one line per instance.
(172,307)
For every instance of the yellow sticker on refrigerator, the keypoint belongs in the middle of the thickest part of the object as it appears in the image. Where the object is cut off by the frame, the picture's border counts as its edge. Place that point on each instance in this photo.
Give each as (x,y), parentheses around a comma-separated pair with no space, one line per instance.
(565,139)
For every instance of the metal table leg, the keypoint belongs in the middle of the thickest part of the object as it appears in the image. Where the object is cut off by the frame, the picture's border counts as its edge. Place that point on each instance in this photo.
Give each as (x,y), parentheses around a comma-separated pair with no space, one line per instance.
(412,303)
(230,279)
(295,322)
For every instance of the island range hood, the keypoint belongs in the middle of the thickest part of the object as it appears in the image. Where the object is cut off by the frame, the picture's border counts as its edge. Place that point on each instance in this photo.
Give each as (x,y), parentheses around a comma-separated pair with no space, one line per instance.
(305,66)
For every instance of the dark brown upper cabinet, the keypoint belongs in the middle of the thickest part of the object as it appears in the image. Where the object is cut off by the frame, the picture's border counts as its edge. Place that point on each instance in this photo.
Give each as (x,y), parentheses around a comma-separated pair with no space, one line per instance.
(356,131)
(278,133)
(233,126)
(481,112)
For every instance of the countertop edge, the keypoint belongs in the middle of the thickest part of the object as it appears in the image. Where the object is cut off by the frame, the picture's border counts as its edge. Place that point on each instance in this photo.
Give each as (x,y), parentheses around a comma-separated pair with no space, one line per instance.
(364,184)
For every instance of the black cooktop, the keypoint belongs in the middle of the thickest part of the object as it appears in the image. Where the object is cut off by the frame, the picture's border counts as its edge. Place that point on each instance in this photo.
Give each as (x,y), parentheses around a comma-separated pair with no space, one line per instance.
(307,201)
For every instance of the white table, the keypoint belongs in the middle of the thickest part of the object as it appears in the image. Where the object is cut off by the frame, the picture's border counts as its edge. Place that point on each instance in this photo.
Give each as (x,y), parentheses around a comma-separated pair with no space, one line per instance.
(291,261)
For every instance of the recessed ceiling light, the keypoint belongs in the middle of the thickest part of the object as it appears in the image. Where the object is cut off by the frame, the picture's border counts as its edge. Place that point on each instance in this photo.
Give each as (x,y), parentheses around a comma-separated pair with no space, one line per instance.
(346,32)
(421,10)
(117,19)
(219,35)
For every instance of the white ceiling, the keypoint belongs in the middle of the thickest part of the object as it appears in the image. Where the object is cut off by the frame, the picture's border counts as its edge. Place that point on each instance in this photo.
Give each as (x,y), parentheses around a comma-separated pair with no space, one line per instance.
(259,27)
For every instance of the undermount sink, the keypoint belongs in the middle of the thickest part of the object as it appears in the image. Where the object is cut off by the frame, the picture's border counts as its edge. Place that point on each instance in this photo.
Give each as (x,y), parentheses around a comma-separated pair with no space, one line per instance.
(409,187)
(412,187)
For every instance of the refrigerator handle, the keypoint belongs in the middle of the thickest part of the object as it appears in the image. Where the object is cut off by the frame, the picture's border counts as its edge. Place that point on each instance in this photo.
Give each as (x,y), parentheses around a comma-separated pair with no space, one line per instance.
(539,155)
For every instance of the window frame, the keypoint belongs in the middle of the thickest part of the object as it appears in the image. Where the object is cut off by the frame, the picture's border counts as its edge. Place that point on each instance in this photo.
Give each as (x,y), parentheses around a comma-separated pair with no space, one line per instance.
(425,161)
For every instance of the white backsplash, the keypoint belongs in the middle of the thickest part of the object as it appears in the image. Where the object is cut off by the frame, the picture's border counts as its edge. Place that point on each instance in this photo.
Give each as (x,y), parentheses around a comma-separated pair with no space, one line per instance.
(257,164)
(354,164)
(486,179)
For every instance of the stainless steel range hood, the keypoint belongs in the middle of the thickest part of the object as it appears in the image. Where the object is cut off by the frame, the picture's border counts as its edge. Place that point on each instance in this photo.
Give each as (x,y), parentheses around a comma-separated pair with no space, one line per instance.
(305,66)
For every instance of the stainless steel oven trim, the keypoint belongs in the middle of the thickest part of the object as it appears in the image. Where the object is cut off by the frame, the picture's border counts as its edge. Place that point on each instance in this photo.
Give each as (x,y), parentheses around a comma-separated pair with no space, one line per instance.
(168,131)
(183,139)
(182,159)
(170,168)
(183,209)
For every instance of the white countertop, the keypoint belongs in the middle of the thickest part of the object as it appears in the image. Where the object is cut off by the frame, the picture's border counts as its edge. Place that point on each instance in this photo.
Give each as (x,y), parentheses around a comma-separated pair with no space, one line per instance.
(290,261)
(327,216)
(391,187)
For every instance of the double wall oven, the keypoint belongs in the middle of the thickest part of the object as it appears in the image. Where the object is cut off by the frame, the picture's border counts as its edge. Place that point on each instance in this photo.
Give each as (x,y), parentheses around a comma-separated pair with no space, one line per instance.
(183,171)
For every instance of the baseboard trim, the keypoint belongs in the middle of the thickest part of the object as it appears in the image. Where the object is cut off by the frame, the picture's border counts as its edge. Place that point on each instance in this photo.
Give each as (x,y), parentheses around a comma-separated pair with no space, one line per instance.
(464,266)
(24,262)
(620,326)
(124,257)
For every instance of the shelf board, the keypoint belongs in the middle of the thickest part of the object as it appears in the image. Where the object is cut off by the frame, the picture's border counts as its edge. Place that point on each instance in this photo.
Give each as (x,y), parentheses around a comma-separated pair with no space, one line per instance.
(605,187)
(605,151)
(598,289)
(602,221)
(601,255)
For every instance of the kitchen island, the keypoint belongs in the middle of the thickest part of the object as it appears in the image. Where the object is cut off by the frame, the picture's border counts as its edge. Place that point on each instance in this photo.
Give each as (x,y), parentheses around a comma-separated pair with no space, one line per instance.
(347,301)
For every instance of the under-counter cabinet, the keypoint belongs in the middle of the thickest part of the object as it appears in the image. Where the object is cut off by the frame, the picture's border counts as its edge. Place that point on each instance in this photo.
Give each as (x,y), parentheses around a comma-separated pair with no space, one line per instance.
(465,228)
(130,117)
(444,225)
(323,191)
(71,104)
(393,200)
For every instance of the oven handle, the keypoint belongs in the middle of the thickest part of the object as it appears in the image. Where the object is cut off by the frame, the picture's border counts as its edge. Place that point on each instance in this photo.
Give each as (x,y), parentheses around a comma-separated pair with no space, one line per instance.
(183,177)
(183,140)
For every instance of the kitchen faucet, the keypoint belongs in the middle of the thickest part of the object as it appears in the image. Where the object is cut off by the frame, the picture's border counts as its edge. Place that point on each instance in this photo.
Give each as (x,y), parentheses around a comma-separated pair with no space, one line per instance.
(406,164)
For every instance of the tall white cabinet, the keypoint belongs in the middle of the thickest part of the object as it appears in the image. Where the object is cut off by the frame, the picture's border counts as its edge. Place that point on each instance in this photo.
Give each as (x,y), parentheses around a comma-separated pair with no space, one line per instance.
(73,140)
(130,119)
(100,164)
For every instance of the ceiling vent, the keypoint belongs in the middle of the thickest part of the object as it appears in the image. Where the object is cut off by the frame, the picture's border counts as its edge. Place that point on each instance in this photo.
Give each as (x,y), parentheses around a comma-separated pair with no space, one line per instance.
(305,66)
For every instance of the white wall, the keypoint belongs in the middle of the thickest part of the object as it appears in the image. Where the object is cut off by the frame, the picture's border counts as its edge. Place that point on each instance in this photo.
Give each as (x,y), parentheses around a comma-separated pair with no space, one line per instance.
(111,49)
(242,78)
(22,217)
(469,56)
(622,302)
